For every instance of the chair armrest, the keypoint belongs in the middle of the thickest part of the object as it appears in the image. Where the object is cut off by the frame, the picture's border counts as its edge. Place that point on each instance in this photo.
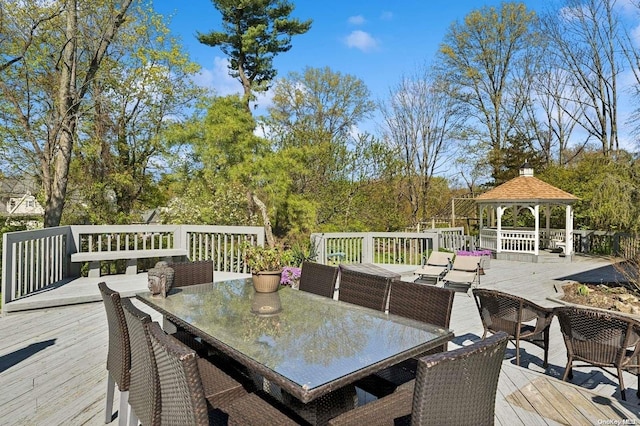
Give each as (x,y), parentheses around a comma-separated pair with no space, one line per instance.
(543,316)
(383,411)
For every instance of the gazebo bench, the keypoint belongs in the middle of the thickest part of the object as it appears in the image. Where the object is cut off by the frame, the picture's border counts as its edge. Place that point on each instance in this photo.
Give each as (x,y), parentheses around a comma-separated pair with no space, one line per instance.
(131,256)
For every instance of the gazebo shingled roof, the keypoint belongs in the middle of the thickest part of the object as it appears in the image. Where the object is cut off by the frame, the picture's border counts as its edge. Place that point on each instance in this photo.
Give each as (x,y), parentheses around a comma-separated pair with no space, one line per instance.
(526,188)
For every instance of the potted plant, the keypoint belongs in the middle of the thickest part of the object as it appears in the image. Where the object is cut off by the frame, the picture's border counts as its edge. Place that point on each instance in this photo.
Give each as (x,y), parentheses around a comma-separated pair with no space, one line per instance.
(266,265)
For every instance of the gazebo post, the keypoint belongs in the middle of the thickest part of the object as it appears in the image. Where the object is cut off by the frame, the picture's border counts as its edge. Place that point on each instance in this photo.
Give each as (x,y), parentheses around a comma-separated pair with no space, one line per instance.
(499,229)
(536,215)
(568,250)
(547,209)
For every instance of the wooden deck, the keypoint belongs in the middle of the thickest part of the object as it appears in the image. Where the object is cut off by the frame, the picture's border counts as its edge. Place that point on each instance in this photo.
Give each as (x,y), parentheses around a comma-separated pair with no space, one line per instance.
(52,361)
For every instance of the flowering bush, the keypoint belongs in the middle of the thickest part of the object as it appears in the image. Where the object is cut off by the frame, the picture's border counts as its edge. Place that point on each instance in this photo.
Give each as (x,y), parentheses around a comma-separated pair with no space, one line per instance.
(473,253)
(290,275)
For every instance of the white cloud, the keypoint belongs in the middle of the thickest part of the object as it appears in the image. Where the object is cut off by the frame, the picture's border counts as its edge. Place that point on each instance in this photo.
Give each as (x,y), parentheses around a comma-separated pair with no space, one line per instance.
(629,7)
(635,36)
(357,20)
(218,78)
(361,40)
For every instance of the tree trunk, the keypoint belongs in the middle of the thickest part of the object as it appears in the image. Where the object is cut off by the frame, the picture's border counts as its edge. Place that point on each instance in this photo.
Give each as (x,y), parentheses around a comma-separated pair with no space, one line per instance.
(66,116)
(70,95)
(265,218)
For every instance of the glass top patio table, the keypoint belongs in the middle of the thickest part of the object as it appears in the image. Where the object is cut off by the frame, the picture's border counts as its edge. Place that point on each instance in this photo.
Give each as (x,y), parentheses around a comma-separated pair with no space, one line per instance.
(307,344)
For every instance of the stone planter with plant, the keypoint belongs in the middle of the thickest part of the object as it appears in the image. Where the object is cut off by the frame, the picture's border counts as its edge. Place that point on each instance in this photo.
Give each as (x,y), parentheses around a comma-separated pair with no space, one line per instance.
(266,265)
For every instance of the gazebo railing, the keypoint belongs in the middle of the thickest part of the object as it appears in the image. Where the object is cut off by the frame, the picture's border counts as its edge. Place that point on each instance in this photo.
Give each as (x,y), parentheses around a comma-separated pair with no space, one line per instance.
(510,240)
(518,241)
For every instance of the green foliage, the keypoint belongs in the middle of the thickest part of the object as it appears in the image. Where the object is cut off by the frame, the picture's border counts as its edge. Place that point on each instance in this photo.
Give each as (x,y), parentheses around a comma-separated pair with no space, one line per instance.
(311,123)
(253,33)
(508,161)
(223,142)
(203,204)
(583,290)
(226,163)
(148,83)
(304,251)
(259,258)
(609,197)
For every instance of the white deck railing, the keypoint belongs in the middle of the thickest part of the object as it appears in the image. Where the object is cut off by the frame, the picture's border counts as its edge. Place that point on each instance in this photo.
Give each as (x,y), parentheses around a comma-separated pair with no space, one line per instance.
(394,248)
(32,261)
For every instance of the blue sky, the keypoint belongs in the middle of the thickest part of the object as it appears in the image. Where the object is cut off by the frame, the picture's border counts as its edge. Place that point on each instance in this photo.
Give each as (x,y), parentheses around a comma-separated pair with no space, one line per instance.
(376,41)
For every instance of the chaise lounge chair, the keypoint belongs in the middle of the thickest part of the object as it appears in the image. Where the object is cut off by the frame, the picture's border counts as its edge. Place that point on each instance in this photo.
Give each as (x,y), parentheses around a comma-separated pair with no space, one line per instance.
(464,273)
(434,269)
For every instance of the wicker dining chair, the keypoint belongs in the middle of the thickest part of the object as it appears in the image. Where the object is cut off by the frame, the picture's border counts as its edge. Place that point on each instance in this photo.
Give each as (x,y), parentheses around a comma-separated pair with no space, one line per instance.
(451,388)
(424,303)
(420,302)
(182,392)
(191,273)
(144,395)
(364,289)
(601,339)
(118,354)
(144,389)
(520,318)
(318,278)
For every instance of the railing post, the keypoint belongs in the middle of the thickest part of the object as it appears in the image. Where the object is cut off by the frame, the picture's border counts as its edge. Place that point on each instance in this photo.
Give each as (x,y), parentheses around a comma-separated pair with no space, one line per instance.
(71,247)
(7,270)
(180,239)
(320,246)
(367,248)
(616,244)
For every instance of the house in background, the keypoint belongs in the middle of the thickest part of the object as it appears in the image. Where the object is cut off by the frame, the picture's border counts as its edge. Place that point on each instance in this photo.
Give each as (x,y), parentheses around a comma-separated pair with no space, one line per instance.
(17,201)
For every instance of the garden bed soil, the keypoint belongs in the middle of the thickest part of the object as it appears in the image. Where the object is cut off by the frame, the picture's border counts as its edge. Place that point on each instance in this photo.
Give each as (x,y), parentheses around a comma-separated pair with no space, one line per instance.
(604,296)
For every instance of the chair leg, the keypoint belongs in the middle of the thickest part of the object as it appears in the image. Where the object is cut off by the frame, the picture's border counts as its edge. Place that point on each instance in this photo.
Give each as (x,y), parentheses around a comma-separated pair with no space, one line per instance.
(124,408)
(133,419)
(622,392)
(567,371)
(111,389)
(517,342)
(545,363)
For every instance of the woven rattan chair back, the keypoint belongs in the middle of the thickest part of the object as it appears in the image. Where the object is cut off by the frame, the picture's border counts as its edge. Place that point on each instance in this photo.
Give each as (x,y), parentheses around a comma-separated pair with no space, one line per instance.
(182,395)
(118,353)
(191,273)
(363,289)
(144,389)
(421,302)
(318,278)
(599,338)
(451,388)
(520,318)
(459,386)
(424,303)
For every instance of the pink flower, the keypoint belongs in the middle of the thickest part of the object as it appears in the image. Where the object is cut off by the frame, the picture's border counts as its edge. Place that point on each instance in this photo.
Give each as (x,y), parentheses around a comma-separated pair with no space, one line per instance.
(290,274)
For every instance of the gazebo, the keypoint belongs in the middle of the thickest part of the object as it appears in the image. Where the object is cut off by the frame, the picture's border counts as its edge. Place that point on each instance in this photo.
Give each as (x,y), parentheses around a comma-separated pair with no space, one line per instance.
(523,200)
